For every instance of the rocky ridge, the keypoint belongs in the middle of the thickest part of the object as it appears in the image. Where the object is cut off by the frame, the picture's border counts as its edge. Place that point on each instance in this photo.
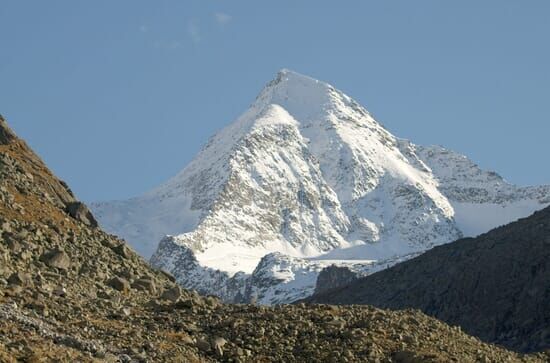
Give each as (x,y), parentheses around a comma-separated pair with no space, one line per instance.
(70,292)
(495,286)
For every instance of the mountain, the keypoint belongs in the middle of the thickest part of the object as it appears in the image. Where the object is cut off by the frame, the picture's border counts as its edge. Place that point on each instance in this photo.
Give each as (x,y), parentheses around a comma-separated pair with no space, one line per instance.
(306,178)
(69,292)
(495,286)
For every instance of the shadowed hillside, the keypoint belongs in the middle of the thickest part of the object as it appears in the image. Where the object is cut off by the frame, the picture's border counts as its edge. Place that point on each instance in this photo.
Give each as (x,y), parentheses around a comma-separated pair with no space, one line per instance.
(495,286)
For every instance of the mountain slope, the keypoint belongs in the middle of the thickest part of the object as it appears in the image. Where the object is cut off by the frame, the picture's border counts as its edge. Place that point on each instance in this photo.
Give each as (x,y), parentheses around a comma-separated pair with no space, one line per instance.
(481,199)
(72,293)
(308,173)
(66,286)
(495,286)
(294,169)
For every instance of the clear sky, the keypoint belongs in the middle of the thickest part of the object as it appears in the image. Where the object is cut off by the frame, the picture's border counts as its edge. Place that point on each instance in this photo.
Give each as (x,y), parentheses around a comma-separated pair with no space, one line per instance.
(118,96)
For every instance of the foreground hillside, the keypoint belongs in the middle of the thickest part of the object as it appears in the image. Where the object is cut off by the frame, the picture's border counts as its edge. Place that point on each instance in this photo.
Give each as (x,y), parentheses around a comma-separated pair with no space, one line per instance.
(69,292)
(495,286)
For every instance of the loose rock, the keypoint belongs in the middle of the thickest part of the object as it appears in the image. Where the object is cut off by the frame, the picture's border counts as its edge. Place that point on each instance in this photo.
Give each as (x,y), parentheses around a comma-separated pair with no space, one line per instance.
(119,284)
(56,259)
(173,294)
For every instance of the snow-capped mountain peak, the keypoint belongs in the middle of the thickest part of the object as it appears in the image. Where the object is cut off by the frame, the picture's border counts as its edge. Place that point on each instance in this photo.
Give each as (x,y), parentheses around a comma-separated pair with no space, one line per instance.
(307,175)
(303,97)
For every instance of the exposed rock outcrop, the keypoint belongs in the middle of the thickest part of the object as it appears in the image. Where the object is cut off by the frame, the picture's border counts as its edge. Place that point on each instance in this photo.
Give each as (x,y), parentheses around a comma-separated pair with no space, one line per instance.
(6,134)
(333,277)
(80,212)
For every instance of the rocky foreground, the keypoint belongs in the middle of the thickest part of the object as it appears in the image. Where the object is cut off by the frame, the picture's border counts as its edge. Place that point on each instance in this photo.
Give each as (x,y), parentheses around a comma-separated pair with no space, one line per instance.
(72,293)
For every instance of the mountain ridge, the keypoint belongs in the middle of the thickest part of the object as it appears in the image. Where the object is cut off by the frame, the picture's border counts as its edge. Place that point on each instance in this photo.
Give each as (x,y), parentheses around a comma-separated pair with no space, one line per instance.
(495,286)
(307,172)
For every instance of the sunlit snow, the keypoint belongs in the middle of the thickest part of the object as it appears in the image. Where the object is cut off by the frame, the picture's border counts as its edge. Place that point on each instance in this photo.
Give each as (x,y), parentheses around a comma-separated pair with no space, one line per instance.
(306,178)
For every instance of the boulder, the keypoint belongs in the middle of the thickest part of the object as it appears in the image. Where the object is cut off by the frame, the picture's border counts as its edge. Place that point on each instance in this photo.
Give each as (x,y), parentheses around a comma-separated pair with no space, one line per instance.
(20,279)
(56,259)
(145,284)
(80,212)
(119,284)
(122,250)
(173,294)
(203,345)
(5,227)
(6,134)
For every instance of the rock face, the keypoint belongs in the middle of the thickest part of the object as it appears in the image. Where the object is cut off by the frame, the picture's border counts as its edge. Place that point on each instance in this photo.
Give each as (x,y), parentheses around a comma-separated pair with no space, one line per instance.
(333,277)
(110,306)
(6,135)
(308,173)
(496,286)
(80,212)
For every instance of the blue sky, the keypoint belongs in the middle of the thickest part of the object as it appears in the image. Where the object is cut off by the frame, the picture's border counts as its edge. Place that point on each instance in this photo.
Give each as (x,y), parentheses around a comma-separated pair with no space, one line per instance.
(117,96)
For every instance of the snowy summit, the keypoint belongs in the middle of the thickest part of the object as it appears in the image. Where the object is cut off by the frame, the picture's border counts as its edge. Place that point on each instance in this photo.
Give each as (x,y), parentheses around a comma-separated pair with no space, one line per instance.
(306,177)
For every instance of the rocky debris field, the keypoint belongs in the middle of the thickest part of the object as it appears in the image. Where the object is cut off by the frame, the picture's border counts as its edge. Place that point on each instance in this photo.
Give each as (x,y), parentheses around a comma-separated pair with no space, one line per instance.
(72,293)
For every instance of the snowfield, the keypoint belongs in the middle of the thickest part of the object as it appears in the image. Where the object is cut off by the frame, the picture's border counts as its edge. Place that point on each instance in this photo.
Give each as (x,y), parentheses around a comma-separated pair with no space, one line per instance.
(303,179)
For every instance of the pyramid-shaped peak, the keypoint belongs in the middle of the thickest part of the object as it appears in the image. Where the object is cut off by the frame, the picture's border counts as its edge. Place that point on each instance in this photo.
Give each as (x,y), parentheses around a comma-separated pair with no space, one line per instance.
(287,75)
(287,78)
(302,96)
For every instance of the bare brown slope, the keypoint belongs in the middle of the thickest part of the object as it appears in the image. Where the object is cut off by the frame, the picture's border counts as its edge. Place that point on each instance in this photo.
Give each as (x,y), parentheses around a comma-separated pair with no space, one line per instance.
(56,269)
(495,286)
(71,293)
